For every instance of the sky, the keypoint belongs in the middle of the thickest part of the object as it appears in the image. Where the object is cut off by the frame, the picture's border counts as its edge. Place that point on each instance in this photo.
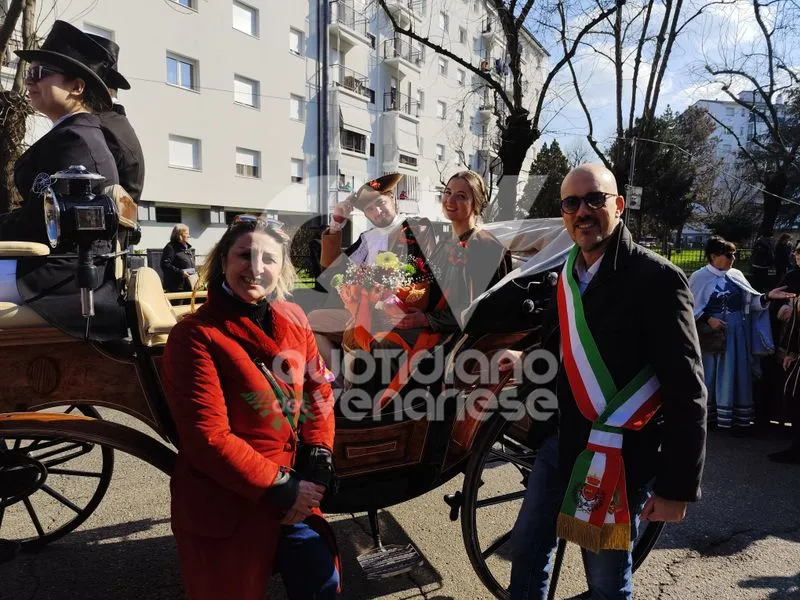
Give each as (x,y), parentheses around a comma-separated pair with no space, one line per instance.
(723,33)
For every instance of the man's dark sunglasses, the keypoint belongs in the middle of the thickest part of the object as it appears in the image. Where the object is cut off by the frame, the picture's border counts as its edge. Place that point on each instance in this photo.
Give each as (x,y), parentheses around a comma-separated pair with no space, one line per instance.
(39,72)
(593,200)
(730,255)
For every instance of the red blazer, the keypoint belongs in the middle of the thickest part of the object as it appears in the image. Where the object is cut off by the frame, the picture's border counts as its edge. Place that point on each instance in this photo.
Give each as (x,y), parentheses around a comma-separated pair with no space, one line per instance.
(230,447)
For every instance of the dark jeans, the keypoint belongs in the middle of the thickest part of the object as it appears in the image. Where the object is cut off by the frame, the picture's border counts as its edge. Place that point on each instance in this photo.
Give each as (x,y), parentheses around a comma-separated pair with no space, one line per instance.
(305,563)
(533,540)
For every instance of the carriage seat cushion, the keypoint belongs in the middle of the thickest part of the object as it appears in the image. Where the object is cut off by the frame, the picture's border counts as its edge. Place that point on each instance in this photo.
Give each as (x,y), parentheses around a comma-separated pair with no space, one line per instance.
(154,313)
(14,316)
(18,249)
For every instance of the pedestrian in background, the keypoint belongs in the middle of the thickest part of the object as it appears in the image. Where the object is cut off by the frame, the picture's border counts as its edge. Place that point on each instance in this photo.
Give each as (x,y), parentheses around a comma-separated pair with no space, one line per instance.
(783,256)
(761,261)
(177,261)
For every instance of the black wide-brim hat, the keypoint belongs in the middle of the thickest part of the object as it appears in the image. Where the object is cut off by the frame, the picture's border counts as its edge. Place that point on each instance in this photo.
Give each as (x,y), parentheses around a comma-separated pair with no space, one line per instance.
(68,48)
(372,190)
(112,78)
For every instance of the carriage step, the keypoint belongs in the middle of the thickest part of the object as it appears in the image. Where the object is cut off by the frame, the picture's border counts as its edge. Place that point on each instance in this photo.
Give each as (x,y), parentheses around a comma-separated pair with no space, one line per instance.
(389,561)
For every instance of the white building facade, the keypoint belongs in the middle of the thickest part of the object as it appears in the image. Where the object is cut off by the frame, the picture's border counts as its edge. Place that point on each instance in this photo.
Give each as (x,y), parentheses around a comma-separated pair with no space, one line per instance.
(225,98)
(739,122)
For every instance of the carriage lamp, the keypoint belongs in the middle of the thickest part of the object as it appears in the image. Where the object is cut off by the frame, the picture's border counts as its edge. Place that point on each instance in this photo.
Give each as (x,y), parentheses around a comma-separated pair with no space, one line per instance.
(74,215)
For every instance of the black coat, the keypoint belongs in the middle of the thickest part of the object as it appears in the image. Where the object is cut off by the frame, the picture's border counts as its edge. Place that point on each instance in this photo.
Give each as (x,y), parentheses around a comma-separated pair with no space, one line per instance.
(48,284)
(174,259)
(640,311)
(126,149)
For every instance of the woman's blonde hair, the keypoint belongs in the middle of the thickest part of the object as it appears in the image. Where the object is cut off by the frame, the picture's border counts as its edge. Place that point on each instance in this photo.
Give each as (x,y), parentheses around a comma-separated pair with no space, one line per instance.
(480,196)
(180,228)
(211,270)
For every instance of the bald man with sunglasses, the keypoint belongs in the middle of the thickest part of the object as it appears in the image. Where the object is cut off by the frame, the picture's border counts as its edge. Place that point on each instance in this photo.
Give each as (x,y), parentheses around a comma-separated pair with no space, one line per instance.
(631,399)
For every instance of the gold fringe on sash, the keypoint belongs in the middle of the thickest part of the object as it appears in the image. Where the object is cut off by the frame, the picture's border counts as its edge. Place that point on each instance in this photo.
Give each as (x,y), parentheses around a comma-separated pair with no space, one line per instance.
(616,536)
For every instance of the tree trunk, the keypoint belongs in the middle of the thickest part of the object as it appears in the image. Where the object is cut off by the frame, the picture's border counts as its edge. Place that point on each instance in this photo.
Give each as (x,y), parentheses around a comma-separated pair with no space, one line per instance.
(774,188)
(16,109)
(518,137)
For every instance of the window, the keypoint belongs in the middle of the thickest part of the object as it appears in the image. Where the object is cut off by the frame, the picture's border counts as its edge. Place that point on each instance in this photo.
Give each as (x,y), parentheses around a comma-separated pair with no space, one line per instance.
(166,214)
(462,77)
(182,71)
(297,42)
(297,108)
(411,161)
(101,31)
(462,35)
(421,99)
(245,18)
(444,21)
(460,118)
(470,160)
(729,111)
(442,66)
(184,152)
(187,3)
(441,109)
(440,152)
(248,162)
(246,91)
(352,141)
(297,170)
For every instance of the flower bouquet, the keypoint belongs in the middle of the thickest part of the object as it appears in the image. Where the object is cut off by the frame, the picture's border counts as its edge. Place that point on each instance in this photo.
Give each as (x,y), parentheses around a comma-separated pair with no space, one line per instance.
(369,291)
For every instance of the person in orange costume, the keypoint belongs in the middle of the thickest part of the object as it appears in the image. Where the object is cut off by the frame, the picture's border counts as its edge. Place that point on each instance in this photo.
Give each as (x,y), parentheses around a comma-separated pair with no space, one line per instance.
(245,385)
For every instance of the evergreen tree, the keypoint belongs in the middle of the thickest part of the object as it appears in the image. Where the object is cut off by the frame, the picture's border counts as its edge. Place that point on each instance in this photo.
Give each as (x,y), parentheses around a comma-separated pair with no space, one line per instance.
(547,172)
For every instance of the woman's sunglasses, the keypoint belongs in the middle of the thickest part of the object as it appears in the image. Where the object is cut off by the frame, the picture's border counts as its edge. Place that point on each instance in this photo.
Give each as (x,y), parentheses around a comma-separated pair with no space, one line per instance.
(39,72)
(263,221)
(593,200)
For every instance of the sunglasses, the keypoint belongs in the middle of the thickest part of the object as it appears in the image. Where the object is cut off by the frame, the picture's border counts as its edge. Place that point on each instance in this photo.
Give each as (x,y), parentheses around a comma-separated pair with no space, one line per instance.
(262,221)
(730,255)
(593,200)
(39,72)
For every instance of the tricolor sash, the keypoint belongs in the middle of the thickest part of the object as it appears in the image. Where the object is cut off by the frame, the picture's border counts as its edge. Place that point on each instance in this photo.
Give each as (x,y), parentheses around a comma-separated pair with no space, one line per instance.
(594,513)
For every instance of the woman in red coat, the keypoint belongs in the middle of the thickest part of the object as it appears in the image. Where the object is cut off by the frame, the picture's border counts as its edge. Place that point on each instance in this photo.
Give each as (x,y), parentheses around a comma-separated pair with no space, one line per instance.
(245,383)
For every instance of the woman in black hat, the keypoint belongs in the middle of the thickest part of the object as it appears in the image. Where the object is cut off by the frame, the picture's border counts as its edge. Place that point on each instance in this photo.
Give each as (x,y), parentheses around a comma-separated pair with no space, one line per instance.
(64,84)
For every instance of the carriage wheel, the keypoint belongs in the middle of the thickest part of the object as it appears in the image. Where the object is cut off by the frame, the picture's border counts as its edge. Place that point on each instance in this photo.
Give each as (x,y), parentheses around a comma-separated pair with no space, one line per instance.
(494,485)
(65,482)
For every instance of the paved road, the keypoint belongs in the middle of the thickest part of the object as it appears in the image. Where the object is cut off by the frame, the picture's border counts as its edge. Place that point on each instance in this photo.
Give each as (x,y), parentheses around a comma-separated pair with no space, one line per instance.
(741,542)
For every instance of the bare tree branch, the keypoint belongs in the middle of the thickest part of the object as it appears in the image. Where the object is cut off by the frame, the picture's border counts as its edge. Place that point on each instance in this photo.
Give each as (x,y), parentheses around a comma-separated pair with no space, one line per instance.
(568,55)
(438,49)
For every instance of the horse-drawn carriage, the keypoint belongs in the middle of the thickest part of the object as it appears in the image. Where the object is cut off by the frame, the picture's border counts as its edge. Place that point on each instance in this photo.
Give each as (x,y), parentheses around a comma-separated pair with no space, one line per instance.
(52,432)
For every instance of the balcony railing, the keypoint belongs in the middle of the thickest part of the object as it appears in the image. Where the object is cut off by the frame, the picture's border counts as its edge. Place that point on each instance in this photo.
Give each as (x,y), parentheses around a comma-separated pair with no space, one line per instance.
(350,80)
(394,100)
(345,14)
(400,48)
(415,6)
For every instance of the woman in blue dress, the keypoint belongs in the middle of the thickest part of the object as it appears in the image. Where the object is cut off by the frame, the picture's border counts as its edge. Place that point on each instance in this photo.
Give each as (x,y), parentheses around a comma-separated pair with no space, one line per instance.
(724,304)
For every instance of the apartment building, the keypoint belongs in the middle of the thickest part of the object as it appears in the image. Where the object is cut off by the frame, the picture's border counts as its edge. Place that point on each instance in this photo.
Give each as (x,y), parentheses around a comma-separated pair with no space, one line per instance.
(739,122)
(227,99)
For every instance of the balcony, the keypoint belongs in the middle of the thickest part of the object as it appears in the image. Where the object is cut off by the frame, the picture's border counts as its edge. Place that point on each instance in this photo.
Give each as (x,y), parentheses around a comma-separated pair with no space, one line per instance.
(402,103)
(353,141)
(405,11)
(491,33)
(348,26)
(352,81)
(486,110)
(402,55)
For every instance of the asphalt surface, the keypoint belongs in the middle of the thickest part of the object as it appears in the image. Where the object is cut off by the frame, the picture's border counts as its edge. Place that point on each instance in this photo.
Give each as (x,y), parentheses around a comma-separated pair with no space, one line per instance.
(742,541)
